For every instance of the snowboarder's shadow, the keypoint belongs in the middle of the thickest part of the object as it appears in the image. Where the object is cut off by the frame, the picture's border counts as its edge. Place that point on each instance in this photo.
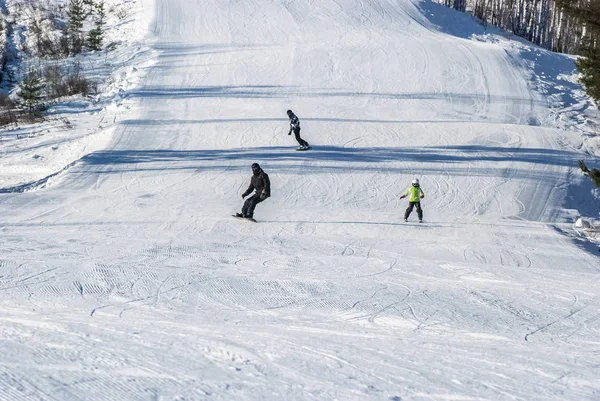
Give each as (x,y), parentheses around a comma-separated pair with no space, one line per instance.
(374,223)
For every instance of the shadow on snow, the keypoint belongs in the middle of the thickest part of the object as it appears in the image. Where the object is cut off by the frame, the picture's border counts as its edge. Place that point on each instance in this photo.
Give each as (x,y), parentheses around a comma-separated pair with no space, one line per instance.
(436,154)
(276,92)
(459,160)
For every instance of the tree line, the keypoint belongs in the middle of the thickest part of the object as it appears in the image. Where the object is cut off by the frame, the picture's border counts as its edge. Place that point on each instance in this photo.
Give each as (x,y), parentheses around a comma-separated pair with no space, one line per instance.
(565,26)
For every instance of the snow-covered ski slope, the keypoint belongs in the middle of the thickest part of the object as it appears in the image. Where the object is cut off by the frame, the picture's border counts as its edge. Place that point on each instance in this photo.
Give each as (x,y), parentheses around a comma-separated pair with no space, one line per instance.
(126,278)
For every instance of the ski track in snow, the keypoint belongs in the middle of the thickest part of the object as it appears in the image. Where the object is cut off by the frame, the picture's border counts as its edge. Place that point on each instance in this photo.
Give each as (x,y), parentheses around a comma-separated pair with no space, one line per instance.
(126,279)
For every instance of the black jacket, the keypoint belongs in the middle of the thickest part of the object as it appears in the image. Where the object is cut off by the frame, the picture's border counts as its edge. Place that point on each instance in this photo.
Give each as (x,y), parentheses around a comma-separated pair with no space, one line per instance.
(261,183)
(294,122)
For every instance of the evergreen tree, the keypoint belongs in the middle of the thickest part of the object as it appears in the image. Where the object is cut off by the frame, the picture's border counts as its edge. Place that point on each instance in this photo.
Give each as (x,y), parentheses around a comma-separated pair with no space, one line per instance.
(589,67)
(75,25)
(31,90)
(96,35)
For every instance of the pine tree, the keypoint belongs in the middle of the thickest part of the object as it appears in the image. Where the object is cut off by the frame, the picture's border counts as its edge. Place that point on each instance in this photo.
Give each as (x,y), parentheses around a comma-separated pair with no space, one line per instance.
(75,25)
(589,67)
(31,90)
(96,35)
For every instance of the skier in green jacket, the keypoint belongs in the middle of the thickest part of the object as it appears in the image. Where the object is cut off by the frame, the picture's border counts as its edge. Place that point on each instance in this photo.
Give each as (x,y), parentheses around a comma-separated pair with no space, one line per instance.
(416,194)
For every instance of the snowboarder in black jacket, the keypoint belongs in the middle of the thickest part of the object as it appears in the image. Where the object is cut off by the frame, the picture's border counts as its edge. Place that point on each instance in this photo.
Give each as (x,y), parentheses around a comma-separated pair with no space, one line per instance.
(295,126)
(262,185)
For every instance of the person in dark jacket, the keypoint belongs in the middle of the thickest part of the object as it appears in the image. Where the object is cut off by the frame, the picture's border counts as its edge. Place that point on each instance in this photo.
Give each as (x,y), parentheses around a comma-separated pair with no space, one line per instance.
(260,183)
(295,127)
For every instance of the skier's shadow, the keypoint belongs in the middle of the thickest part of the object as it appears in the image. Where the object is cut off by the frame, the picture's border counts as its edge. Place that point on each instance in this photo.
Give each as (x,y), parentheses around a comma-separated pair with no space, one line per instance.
(374,223)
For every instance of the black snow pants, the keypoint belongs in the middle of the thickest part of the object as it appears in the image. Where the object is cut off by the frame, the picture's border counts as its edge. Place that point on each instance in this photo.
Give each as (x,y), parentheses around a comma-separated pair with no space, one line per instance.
(411,205)
(250,204)
(301,141)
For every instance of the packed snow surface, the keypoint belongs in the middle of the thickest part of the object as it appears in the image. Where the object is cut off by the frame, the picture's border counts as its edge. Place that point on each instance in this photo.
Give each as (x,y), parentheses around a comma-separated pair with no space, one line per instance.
(124,277)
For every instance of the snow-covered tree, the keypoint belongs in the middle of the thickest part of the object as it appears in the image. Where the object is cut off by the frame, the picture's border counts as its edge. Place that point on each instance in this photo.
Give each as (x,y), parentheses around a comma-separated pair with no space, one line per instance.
(31,90)
(77,15)
(3,45)
(96,35)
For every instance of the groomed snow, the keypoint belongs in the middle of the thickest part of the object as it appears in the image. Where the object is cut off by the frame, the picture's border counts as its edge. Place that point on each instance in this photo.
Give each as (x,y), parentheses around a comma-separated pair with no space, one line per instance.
(125,278)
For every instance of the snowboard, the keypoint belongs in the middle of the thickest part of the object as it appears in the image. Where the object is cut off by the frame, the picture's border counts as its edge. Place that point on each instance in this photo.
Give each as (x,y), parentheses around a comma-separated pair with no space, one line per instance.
(301,149)
(244,218)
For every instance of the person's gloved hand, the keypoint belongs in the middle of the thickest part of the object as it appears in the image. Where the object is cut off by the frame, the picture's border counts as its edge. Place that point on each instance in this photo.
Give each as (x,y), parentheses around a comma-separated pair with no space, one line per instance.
(422,196)
(290,133)
(403,196)
(243,196)
(263,196)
